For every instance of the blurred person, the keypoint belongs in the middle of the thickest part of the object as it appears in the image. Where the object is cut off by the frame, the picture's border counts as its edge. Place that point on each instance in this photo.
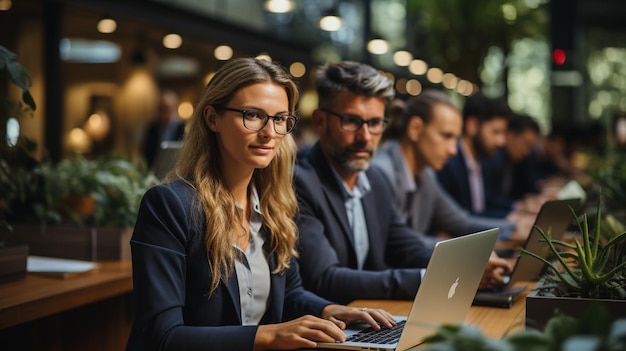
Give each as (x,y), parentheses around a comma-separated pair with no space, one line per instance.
(213,249)
(556,153)
(353,243)
(425,137)
(512,175)
(484,132)
(167,126)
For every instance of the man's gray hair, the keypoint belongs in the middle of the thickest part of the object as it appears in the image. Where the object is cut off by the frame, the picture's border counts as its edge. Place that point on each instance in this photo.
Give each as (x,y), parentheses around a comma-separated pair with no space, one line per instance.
(358,78)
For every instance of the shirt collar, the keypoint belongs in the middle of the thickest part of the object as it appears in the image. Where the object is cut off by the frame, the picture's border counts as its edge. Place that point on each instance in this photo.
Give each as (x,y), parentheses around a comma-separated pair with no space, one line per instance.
(256,218)
(471,164)
(361,187)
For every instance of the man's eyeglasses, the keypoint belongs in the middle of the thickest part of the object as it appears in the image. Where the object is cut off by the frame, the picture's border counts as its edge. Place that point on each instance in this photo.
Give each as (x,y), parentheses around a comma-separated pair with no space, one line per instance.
(352,123)
(256,120)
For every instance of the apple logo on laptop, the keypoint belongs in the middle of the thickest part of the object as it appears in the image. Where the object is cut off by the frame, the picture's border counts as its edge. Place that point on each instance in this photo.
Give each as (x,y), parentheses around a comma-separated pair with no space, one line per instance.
(452,290)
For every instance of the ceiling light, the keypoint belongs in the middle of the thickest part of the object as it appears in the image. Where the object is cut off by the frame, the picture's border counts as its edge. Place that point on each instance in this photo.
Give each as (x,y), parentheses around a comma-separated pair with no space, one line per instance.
(264,56)
(223,52)
(378,46)
(172,41)
(5,5)
(418,67)
(434,75)
(279,6)
(331,23)
(413,87)
(297,69)
(106,25)
(402,58)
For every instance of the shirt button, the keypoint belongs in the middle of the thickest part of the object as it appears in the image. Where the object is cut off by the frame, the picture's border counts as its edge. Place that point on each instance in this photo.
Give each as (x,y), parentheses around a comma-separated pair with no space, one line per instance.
(250,292)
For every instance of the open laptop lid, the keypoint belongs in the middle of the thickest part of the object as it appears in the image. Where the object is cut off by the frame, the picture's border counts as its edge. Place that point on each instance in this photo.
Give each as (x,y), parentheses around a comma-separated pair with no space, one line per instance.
(554,217)
(446,292)
(165,158)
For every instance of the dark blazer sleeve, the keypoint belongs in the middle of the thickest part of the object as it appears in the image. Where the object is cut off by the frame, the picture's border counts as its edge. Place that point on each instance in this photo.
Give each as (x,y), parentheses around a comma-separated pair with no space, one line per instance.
(299,301)
(327,258)
(163,242)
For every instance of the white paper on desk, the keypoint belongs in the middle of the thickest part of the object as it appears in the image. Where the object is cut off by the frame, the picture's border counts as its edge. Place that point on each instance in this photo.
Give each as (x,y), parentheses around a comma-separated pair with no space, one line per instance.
(38,264)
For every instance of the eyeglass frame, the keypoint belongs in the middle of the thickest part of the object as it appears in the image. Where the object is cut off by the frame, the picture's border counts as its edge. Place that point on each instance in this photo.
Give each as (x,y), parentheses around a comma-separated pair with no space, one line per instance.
(267,118)
(360,120)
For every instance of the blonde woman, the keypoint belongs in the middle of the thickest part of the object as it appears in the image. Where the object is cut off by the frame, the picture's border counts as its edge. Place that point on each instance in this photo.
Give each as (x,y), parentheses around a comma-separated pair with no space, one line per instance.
(214,247)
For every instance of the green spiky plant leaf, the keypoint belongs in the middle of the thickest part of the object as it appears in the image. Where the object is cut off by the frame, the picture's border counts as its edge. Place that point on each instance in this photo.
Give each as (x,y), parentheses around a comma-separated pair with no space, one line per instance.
(593,267)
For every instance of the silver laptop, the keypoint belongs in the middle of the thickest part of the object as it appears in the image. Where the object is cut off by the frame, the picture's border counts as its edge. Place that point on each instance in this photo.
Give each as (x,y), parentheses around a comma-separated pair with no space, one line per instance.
(165,158)
(554,217)
(444,296)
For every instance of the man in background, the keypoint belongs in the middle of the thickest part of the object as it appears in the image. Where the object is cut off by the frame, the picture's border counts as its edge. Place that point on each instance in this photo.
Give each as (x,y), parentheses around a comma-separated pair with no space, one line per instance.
(428,127)
(485,122)
(353,243)
(167,126)
(513,173)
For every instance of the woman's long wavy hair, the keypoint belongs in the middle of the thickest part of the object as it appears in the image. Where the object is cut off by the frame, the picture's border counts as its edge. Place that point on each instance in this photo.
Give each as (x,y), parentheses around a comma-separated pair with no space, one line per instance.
(200,165)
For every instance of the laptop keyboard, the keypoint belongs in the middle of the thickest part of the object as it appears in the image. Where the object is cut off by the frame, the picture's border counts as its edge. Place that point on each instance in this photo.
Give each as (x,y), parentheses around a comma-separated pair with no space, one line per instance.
(383,336)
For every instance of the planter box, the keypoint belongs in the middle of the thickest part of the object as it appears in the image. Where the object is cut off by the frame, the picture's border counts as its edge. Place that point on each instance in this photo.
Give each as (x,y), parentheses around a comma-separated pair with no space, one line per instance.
(539,309)
(70,241)
(13,262)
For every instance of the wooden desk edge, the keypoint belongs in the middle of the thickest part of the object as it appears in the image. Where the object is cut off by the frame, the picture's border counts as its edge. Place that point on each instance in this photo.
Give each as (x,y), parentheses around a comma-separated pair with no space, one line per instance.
(116,280)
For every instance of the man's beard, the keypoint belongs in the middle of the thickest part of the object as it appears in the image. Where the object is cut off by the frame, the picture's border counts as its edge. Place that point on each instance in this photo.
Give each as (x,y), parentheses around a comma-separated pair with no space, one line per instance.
(343,158)
(480,148)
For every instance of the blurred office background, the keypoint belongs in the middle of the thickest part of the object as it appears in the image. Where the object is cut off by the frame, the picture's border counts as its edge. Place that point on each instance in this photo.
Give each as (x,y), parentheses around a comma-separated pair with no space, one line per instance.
(96,65)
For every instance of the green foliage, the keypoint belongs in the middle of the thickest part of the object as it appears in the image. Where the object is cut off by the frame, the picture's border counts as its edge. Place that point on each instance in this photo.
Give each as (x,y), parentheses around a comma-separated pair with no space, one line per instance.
(17,74)
(456,27)
(116,184)
(35,191)
(592,267)
(121,185)
(593,331)
(20,182)
(610,176)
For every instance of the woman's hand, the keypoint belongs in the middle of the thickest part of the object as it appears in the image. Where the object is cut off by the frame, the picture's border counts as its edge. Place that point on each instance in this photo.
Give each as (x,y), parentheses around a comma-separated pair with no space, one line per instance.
(303,332)
(307,331)
(342,315)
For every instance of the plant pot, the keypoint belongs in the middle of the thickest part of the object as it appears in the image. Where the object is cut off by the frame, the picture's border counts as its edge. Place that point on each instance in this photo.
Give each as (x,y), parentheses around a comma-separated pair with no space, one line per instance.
(539,308)
(71,241)
(13,262)
(81,205)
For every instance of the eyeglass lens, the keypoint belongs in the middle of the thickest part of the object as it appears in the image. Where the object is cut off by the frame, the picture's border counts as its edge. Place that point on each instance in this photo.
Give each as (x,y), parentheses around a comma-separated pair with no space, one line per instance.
(256,120)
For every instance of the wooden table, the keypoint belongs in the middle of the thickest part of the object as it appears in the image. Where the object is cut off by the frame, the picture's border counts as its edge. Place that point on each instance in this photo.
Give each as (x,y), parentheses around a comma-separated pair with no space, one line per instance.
(93,308)
(494,322)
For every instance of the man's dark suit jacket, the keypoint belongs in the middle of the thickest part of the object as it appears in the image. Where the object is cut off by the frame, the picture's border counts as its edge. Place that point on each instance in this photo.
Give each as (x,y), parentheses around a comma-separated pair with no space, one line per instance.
(454,178)
(171,278)
(521,176)
(328,263)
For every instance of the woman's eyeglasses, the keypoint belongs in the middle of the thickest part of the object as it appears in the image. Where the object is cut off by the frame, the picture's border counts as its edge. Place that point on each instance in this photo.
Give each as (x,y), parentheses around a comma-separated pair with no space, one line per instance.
(256,120)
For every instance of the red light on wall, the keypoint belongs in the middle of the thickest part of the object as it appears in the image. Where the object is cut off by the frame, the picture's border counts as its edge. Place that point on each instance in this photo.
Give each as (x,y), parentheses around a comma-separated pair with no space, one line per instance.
(559,56)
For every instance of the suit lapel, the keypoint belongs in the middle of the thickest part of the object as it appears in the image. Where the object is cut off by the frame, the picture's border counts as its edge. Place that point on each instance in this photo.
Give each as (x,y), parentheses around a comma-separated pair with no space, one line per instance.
(273,314)
(332,191)
(232,285)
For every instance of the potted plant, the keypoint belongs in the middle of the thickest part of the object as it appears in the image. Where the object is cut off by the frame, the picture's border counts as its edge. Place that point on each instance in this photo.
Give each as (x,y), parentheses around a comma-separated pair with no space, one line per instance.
(594,331)
(19,181)
(98,201)
(591,269)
